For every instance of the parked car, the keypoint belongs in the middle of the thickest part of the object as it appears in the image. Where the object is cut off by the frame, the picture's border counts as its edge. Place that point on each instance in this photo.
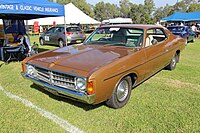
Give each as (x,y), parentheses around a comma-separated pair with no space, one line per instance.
(107,65)
(56,35)
(183,31)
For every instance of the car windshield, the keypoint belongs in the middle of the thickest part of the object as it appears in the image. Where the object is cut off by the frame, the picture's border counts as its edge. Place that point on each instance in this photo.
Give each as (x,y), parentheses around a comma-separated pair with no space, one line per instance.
(117,36)
(176,29)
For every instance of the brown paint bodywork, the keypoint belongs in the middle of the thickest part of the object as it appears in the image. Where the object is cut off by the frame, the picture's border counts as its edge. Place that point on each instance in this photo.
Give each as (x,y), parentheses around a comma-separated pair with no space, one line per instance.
(106,65)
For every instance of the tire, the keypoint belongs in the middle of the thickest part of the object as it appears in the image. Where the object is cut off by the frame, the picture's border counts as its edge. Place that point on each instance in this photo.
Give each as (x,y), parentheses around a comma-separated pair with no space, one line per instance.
(41,41)
(121,93)
(193,40)
(61,43)
(186,43)
(173,62)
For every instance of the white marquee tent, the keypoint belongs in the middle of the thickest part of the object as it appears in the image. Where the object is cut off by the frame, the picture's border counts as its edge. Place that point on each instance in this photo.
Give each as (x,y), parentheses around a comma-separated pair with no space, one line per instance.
(72,15)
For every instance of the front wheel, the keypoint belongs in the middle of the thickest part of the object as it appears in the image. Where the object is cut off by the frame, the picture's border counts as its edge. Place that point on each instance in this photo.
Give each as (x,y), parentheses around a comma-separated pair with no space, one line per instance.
(41,41)
(121,93)
(193,40)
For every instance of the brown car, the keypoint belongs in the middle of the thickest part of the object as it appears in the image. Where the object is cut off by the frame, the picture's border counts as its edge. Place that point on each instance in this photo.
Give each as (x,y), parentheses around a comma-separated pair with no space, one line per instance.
(110,62)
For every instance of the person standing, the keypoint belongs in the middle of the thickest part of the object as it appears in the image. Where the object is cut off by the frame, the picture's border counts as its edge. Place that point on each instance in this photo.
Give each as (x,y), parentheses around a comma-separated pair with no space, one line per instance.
(25,42)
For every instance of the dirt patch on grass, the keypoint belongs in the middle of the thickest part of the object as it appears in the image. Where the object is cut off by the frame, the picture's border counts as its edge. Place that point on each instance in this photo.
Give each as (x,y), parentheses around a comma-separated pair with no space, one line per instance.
(176,83)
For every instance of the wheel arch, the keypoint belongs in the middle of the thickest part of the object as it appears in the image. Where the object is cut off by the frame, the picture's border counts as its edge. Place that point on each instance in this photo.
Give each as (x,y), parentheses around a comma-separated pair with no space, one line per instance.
(133,78)
(60,39)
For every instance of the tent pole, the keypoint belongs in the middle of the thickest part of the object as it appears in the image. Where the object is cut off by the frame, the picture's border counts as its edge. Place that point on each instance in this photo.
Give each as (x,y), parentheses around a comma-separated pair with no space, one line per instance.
(65,33)
(27,29)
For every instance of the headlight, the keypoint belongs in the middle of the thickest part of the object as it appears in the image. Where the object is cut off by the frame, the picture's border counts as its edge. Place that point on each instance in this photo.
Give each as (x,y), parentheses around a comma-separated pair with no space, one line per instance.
(81,84)
(30,70)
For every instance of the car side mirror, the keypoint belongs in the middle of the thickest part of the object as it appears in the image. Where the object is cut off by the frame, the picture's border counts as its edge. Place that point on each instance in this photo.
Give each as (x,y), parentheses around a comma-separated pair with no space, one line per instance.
(154,42)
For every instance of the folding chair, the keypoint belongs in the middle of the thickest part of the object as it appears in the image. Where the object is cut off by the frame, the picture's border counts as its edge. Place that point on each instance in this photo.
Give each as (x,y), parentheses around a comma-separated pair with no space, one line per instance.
(13,53)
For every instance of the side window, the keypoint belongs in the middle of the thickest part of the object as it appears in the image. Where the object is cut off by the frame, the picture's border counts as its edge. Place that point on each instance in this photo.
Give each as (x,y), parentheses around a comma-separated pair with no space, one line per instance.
(155,36)
(160,35)
(58,29)
(51,30)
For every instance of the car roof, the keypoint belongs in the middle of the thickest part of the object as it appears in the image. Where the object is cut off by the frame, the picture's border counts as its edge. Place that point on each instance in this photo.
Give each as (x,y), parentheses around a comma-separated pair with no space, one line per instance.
(139,26)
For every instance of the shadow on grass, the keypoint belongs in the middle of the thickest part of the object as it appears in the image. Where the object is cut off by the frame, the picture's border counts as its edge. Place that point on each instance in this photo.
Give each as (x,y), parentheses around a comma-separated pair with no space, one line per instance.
(2,64)
(86,107)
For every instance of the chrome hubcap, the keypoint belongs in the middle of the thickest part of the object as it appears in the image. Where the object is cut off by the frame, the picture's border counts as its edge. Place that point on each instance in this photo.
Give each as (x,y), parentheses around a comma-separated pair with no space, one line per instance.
(173,61)
(122,90)
(61,43)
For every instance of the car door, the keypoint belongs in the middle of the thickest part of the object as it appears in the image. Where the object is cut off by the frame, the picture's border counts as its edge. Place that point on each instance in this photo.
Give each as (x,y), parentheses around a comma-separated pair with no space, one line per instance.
(155,49)
(55,36)
(48,36)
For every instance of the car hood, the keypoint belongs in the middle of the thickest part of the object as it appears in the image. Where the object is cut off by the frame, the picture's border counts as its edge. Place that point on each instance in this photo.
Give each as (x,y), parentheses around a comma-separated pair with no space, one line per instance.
(80,57)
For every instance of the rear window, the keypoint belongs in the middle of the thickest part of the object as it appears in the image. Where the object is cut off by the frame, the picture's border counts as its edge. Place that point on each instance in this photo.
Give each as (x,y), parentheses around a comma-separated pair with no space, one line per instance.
(73,29)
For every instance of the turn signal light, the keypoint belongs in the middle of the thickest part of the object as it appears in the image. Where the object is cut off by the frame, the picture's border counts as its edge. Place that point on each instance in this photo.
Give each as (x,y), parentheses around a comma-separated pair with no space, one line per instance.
(90,88)
(23,67)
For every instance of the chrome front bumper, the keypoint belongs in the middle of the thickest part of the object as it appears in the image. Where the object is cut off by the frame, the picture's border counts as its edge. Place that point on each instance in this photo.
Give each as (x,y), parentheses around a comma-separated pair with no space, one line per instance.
(90,99)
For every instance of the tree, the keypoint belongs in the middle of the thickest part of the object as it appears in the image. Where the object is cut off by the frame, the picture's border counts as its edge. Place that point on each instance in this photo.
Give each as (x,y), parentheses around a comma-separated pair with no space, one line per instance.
(81,4)
(149,6)
(105,11)
(194,7)
(125,7)
(137,13)
(163,12)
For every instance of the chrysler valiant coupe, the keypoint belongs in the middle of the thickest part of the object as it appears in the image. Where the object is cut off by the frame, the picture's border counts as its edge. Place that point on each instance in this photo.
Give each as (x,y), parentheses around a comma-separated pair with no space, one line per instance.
(107,65)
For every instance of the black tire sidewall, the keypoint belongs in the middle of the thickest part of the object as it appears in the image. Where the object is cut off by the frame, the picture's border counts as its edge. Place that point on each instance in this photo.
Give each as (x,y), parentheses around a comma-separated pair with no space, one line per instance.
(113,101)
(41,39)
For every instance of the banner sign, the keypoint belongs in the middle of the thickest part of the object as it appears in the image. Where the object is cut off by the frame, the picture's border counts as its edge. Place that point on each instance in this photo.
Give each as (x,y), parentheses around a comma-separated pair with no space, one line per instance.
(25,8)
(14,26)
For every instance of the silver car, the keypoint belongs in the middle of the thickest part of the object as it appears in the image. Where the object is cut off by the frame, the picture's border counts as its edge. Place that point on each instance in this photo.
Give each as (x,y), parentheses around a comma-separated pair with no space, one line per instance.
(56,35)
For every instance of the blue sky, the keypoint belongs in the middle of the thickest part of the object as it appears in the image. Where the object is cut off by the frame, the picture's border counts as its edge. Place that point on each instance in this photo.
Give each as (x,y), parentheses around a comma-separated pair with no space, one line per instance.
(158,3)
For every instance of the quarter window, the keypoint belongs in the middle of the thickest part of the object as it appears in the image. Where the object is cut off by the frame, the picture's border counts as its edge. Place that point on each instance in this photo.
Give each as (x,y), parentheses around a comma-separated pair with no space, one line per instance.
(155,36)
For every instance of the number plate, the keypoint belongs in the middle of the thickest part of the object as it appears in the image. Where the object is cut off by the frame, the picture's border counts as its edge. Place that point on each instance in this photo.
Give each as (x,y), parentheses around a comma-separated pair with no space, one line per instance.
(46,38)
(78,41)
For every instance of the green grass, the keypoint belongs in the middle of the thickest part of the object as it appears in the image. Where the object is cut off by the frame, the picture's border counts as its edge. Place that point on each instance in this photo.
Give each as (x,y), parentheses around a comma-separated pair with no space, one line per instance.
(167,102)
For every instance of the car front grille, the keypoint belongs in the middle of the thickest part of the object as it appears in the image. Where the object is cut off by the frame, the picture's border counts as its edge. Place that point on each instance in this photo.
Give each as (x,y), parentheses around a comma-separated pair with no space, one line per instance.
(56,78)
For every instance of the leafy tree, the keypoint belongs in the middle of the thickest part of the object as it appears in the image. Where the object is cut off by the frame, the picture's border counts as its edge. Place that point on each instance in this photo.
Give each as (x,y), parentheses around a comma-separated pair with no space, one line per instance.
(125,7)
(183,5)
(194,7)
(81,4)
(149,6)
(137,13)
(105,11)
(163,12)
